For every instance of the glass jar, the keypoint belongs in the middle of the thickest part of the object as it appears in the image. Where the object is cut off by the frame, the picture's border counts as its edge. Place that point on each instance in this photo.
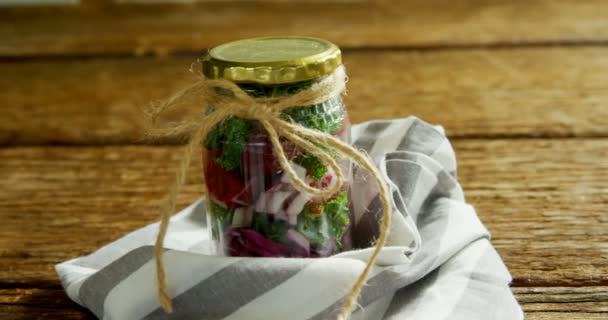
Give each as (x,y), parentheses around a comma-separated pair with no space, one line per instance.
(254,208)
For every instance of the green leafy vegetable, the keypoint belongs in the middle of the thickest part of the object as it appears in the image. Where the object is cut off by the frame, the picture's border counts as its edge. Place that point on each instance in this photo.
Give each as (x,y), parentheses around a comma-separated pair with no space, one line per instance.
(230,136)
(337,211)
(313,165)
(313,227)
(221,218)
(321,227)
(326,117)
(274,230)
(275,90)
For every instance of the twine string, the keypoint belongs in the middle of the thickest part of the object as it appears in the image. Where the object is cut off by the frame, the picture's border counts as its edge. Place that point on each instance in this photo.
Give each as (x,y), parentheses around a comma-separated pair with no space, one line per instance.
(228,100)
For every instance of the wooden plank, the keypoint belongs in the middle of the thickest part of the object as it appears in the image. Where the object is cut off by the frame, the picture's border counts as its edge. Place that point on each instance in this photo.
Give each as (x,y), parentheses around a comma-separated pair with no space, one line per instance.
(538,303)
(549,225)
(563,303)
(11,312)
(566,315)
(161,29)
(563,299)
(34,303)
(544,92)
(544,201)
(10,3)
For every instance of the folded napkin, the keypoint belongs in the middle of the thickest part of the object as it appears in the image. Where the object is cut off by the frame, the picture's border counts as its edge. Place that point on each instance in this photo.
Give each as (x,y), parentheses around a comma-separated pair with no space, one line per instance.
(438,262)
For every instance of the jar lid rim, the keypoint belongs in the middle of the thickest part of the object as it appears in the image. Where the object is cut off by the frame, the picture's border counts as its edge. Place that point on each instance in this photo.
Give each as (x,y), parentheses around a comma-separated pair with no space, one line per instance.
(272,60)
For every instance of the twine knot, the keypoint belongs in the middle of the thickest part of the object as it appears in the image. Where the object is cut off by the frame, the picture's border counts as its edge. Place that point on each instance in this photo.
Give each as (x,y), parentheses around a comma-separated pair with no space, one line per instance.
(226,99)
(259,111)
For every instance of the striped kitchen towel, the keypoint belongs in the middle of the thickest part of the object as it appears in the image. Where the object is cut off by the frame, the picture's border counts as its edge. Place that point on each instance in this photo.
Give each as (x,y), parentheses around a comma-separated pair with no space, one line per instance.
(438,262)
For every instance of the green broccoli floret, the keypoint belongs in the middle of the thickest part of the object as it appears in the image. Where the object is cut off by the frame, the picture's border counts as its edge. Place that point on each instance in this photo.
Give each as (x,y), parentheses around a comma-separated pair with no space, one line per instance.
(337,211)
(313,227)
(313,165)
(320,227)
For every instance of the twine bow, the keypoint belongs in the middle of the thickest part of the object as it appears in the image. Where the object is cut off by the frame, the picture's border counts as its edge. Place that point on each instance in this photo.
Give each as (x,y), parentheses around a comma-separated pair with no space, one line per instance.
(228,100)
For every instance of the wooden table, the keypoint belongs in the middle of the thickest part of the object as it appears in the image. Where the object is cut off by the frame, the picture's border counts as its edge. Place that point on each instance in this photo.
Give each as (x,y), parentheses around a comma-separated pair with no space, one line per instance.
(520,86)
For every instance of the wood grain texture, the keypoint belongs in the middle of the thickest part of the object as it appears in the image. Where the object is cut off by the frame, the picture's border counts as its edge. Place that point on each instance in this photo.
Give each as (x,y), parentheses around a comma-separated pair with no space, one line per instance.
(48,303)
(538,303)
(540,92)
(568,303)
(550,228)
(162,29)
(565,315)
(545,203)
(528,119)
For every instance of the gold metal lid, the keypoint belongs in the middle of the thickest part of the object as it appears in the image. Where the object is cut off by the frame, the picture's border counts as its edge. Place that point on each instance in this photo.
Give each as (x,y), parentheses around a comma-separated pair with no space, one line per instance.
(272,60)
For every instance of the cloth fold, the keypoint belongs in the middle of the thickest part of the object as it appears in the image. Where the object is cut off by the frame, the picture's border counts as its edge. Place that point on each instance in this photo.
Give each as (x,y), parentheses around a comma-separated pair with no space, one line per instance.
(438,262)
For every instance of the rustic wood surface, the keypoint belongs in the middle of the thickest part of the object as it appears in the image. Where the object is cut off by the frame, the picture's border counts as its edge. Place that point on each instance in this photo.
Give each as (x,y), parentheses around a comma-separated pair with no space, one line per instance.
(516,92)
(162,29)
(97,194)
(539,303)
(520,86)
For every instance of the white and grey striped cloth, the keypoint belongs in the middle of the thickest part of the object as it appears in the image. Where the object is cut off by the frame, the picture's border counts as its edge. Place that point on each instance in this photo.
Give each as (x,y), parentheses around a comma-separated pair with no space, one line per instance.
(438,264)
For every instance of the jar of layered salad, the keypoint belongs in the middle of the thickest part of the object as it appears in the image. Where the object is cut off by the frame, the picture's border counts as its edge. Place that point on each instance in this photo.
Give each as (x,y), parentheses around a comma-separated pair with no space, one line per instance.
(254,208)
